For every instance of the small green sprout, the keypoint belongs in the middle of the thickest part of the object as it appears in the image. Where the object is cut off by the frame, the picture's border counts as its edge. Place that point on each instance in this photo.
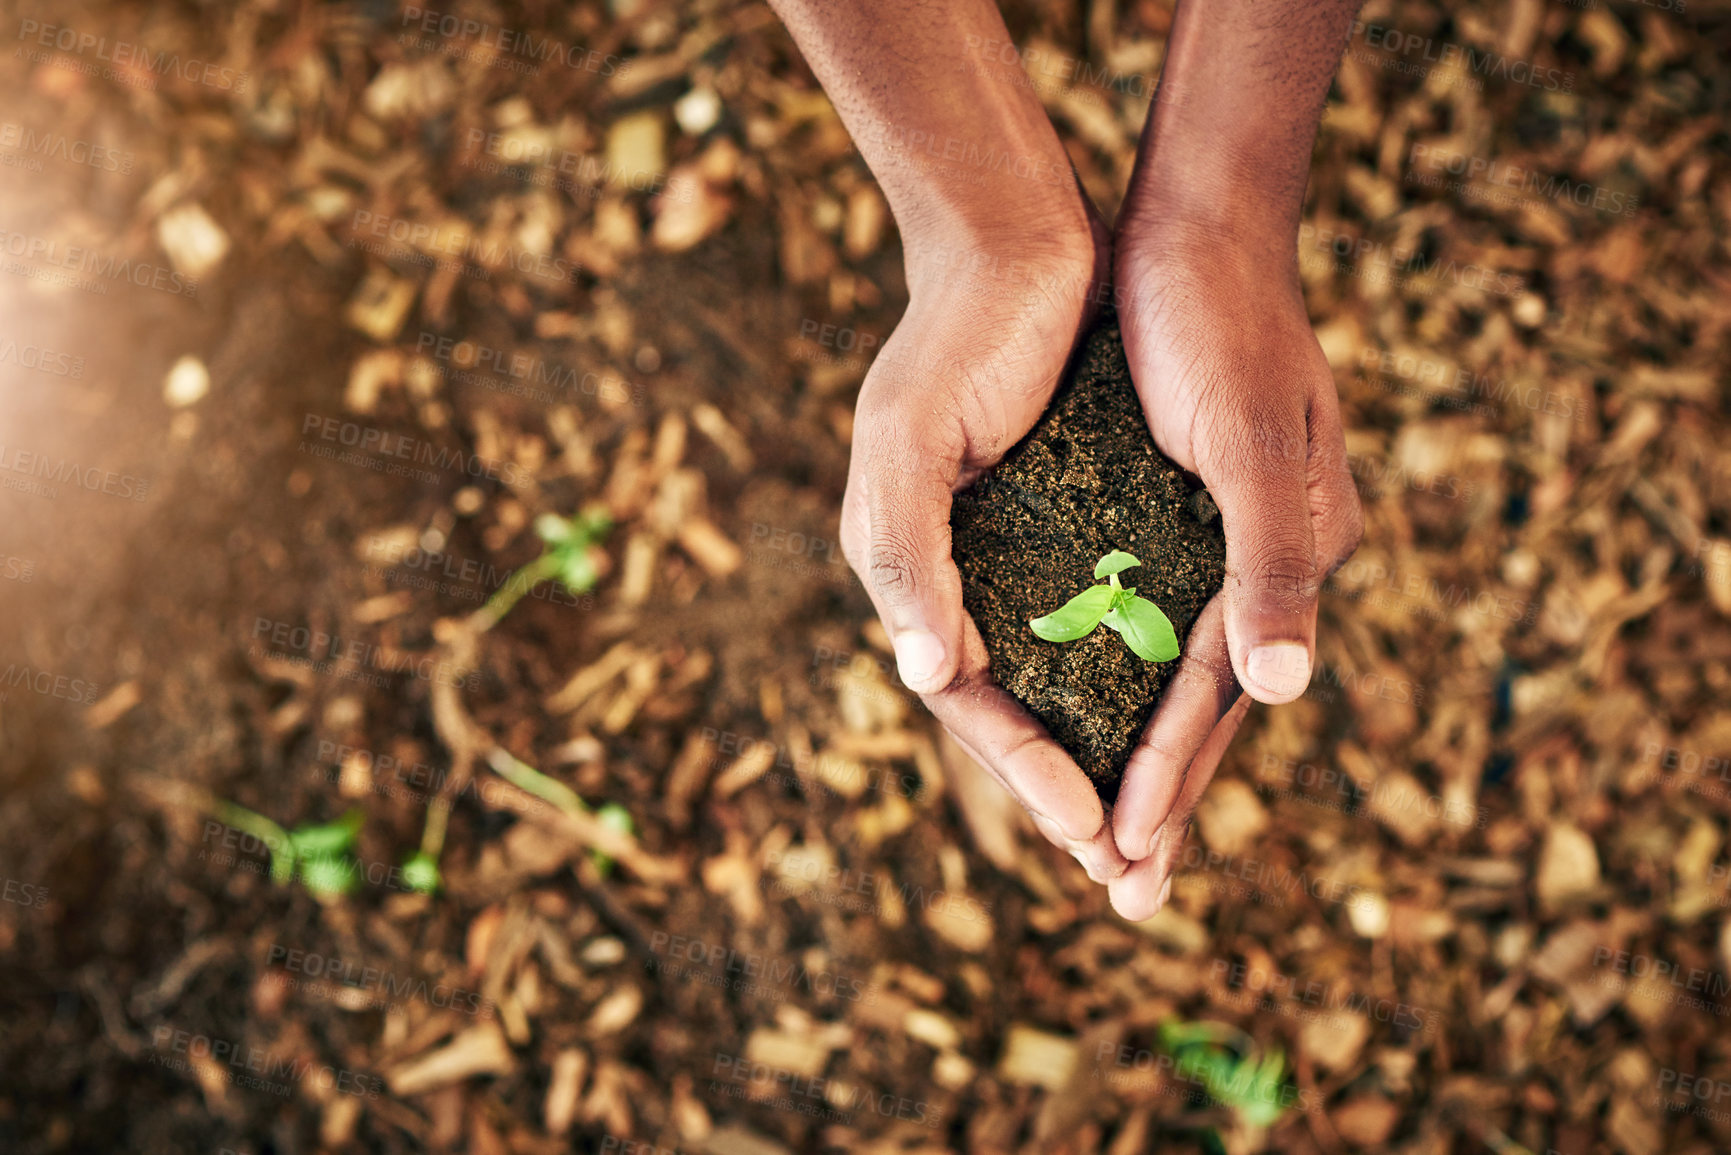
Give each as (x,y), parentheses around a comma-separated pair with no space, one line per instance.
(321,852)
(569,559)
(1231,1068)
(614,817)
(421,872)
(1145,629)
(525,777)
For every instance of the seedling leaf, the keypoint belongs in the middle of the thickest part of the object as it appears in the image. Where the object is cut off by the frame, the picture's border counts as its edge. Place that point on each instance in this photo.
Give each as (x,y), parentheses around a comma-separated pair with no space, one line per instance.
(421,873)
(1115,562)
(614,817)
(553,529)
(327,875)
(1146,630)
(1076,618)
(331,838)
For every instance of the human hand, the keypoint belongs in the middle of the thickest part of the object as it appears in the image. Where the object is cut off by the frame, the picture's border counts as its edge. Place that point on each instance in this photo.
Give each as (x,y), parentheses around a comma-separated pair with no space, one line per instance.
(966,374)
(1238,392)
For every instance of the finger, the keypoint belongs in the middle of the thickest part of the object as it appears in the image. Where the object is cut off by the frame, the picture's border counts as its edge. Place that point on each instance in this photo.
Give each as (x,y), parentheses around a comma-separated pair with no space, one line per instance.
(998,732)
(1141,891)
(1144,888)
(1168,842)
(1258,475)
(897,536)
(1337,515)
(1199,695)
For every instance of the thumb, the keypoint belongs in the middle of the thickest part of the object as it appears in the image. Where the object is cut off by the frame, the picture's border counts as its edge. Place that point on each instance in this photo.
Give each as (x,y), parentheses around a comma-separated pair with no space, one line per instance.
(1272,581)
(898,541)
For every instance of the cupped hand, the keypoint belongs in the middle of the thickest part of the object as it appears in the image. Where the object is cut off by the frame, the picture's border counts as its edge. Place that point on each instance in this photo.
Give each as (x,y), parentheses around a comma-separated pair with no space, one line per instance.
(1237,391)
(988,331)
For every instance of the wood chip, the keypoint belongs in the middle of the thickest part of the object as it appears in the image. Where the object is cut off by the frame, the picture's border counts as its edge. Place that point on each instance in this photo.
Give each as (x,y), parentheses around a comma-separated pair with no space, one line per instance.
(480,1050)
(586,682)
(744,770)
(709,547)
(1036,1058)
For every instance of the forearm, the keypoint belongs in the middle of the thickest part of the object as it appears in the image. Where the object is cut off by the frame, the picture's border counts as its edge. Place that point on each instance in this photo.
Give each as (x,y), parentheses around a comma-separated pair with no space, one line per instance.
(1226,153)
(959,147)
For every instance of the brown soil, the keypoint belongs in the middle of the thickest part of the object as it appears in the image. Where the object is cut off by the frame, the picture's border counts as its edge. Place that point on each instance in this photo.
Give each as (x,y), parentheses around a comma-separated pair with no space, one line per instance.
(1086,480)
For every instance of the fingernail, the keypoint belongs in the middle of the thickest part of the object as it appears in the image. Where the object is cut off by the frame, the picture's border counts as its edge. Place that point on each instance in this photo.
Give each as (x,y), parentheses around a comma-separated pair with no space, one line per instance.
(1279,669)
(919,658)
(1166,892)
(1077,855)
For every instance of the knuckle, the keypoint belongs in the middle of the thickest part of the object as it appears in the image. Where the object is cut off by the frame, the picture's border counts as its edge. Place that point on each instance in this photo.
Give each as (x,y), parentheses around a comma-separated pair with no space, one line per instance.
(1283,572)
(1341,524)
(891,569)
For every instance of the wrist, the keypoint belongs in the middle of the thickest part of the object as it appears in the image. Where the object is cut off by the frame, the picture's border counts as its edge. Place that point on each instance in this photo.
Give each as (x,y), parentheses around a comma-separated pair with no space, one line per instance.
(1050,240)
(1223,218)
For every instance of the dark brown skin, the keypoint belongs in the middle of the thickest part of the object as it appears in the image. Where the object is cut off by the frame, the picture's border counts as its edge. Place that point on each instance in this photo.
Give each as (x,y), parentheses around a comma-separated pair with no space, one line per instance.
(1005,257)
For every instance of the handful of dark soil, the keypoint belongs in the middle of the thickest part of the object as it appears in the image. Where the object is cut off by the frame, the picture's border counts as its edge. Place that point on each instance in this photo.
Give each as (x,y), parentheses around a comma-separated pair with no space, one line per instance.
(1086,480)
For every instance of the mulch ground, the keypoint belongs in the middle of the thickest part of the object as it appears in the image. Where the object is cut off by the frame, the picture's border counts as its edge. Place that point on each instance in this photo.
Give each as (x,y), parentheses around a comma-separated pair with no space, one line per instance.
(436,282)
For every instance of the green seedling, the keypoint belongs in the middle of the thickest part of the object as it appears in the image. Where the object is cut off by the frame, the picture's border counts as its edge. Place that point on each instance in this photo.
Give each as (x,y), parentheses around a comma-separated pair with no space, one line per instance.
(525,777)
(1145,629)
(421,872)
(321,852)
(614,817)
(1231,1068)
(569,559)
